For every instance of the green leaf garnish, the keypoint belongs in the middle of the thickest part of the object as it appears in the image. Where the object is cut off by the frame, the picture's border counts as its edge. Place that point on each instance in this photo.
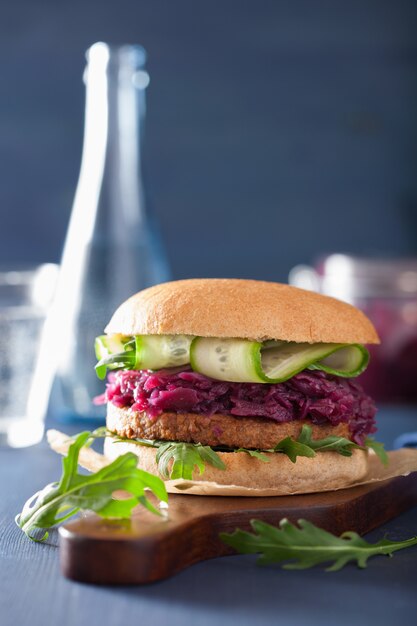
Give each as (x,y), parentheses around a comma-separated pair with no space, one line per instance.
(114,351)
(94,492)
(378,448)
(188,456)
(333,442)
(149,443)
(305,445)
(185,457)
(292,448)
(306,545)
(114,361)
(257,454)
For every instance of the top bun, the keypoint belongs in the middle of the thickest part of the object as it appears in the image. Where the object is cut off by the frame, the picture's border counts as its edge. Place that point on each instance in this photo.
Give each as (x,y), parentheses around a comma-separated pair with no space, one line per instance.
(246,309)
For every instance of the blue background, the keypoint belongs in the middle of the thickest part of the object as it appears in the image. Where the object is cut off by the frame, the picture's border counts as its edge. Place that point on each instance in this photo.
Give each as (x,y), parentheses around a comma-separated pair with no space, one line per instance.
(276,131)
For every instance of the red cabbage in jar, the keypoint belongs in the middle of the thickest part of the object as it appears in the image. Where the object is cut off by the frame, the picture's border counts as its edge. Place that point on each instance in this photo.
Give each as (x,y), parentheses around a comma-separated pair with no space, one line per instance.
(385,289)
(310,395)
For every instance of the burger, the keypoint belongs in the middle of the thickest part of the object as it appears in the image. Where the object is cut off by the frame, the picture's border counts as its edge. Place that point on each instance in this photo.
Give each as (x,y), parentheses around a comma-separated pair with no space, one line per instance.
(241,384)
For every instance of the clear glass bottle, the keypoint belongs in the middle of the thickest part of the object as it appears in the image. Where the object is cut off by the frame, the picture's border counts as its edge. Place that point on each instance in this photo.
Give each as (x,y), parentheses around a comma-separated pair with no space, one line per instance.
(112,249)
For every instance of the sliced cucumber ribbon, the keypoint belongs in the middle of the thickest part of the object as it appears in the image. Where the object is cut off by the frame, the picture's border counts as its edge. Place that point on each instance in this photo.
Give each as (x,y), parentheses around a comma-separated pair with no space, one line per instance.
(243,361)
(114,352)
(156,352)
(141,352)
(233,360)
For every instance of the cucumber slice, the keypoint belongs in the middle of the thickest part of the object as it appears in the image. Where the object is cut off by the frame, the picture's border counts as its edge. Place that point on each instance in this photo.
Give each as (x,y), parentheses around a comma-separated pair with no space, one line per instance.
(113,352)
(141,352)
(155,352)
(281,362)
(240,360)
(234,360)
(287,359)
(348,361)
(109,344)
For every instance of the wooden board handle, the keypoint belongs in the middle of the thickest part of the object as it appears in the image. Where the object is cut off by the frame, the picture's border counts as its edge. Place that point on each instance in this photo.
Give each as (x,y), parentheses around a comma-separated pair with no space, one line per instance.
(148,548)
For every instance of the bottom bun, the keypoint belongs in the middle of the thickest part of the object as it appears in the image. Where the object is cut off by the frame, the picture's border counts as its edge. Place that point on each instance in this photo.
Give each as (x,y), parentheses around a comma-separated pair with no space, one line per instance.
(246,475)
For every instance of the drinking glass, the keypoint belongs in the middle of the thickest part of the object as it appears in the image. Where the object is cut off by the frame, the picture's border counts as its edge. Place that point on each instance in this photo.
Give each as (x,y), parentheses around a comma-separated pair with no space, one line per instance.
(25,294)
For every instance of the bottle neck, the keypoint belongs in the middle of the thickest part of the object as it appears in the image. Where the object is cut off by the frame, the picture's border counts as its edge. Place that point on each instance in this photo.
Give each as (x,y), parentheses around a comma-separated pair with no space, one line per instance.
(110,175)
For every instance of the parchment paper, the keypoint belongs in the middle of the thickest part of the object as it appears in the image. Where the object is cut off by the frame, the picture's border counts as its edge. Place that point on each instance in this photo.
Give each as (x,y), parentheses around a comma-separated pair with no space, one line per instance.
(401,463)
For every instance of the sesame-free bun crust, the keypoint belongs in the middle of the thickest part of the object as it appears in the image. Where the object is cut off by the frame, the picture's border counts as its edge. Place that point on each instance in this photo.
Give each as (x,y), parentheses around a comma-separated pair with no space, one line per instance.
(325,472)
(246,309)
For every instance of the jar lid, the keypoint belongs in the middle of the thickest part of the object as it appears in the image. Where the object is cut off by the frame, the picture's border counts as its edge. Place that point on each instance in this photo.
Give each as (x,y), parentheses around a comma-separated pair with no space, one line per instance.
(360,277)
(351,278)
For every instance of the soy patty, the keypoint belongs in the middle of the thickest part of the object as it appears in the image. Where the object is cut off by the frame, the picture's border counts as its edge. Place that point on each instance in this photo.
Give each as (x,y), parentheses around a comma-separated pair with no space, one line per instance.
(214,430)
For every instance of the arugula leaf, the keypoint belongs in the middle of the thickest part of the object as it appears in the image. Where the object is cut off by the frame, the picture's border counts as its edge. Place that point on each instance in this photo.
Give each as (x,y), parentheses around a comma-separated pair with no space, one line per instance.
(257,454)
(101,431)
(339,444)
(185,457)
(124,359)
(148,443)
(306,545)
(75,492)
(293,448)
(378,448)
(305,445)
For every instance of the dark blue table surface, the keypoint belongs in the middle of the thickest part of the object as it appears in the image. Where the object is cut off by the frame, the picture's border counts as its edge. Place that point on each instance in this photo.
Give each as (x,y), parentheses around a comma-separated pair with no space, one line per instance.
(226,591)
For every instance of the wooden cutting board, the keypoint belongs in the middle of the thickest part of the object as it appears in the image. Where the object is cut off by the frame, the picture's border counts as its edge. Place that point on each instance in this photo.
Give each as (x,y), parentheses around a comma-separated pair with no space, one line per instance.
(149,548)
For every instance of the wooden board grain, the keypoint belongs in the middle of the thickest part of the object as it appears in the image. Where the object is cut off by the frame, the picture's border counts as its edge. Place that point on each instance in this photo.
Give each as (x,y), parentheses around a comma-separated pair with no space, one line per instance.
(148,548)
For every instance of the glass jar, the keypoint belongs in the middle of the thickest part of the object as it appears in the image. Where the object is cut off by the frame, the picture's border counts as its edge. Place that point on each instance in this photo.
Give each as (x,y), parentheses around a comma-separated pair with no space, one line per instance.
(386,290)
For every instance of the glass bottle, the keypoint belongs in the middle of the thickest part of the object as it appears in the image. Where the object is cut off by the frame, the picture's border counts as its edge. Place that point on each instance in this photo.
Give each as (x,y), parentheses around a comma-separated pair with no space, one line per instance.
(112,249)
